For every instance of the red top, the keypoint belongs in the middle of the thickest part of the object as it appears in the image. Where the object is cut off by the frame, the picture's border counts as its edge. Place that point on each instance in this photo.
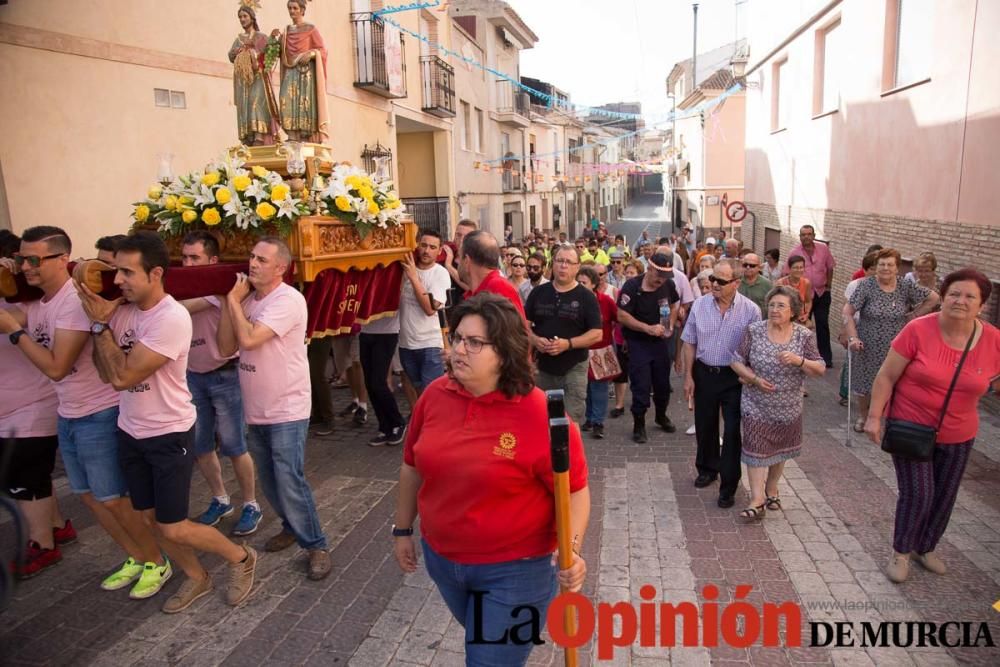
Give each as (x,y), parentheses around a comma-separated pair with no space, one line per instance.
(496,283)
(486,467)
(920,392)
(609,317)
(860,273)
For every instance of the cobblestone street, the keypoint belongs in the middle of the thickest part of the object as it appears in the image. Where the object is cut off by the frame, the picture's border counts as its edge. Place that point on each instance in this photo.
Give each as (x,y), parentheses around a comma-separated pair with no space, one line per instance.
(650,525)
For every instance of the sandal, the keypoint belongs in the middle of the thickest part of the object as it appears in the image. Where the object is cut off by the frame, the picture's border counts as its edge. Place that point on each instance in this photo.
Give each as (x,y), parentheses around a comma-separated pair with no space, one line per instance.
(773,503)
(859,425)
(754,513)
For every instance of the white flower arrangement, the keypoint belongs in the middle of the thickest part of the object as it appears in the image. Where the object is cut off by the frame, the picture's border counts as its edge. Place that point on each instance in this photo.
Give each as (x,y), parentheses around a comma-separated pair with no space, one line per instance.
(353,196)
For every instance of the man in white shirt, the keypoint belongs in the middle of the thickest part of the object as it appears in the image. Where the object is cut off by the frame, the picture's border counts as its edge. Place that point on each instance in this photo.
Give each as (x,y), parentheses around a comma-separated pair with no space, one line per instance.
(425,288)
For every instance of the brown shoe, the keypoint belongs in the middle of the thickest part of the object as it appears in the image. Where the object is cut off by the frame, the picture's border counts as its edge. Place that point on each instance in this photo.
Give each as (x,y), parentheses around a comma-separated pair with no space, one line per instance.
(241,578)
(190,590)
(319,564)
(899,567)
(279,542)
(930,561)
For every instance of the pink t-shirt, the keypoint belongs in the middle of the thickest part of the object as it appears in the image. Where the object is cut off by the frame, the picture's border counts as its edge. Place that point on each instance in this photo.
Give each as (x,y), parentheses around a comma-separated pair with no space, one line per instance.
(818,264)
(274,378)
(81,392)
(920,392)
(161,403)
(204,356)
(28,399)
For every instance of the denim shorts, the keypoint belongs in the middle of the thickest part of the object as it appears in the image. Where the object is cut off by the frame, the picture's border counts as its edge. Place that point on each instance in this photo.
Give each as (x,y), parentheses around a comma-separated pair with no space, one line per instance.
(89,447)
(422,366)
(216,397)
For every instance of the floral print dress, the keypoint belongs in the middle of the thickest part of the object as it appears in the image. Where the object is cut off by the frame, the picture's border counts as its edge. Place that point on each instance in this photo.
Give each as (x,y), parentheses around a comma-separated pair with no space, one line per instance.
(772,421)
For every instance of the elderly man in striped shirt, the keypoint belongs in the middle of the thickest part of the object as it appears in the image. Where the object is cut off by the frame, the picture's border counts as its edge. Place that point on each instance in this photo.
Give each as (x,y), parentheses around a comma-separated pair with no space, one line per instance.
(714,329)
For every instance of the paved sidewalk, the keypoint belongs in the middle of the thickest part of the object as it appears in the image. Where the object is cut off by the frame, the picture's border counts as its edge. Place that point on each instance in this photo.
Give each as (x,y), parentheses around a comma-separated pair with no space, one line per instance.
(650,526)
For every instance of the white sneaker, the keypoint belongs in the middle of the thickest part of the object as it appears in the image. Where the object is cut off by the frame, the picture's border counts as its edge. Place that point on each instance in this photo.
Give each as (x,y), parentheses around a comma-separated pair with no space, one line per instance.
(690,430)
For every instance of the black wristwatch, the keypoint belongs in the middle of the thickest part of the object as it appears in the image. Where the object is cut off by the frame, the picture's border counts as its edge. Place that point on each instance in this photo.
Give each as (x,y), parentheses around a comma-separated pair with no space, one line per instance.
(16,336)
(97,328)
(401,532)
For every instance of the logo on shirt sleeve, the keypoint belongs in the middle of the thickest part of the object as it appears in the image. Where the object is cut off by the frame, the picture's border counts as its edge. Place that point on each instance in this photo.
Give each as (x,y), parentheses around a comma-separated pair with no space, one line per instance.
(506,446)
(127,341)
(624,299)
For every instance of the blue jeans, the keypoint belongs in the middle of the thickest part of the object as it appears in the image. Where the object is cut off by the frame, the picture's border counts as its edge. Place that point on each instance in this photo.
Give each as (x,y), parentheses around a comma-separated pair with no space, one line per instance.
(216,398)
(597,401)
(422,366)
(278,450)
(89,447)
(500,587)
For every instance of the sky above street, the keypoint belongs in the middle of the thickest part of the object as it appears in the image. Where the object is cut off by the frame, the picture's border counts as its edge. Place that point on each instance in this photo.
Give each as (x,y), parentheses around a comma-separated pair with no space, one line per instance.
(602,51)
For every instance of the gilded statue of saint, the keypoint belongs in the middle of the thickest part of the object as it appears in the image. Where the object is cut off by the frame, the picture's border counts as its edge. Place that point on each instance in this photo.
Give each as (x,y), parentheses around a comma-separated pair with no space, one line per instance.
(256,110)
(303,78)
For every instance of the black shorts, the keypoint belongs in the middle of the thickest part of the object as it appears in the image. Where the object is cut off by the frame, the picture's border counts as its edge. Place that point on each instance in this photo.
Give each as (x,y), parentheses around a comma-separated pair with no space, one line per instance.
(157,472)
(29,476)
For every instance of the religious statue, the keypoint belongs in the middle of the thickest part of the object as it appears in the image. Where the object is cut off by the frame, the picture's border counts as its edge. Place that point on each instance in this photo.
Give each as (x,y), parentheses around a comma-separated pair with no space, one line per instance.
(303,78)
(256,109)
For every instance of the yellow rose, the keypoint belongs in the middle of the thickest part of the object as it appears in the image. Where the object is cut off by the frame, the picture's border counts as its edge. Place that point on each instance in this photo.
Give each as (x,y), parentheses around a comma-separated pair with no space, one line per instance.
(184,201)
(223,195)
(171,203)
(141,213)
(241,183)
(366,182)
(373,207)
(210,179)
(211,216)
(154,192)
(265,210)
(354,182)
(259,171)
(392,204)
(279,192)
(366,192)
(189,216)
(343,203)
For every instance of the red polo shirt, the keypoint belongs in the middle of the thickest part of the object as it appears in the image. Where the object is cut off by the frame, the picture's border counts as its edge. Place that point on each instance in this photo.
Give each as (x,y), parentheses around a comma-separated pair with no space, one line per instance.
(496,283)
(486,467)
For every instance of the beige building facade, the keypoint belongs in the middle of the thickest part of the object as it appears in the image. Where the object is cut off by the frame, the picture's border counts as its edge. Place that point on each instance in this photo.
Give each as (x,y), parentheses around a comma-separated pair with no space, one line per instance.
(876,123)
(83,88)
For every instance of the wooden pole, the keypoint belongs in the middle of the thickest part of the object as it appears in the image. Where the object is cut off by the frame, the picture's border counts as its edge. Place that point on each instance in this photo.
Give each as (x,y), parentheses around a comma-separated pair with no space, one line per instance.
(559,439)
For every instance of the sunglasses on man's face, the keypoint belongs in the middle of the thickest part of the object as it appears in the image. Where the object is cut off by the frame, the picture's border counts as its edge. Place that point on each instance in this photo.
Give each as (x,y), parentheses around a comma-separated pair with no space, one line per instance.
(34,261)
(721,282)
(750,266)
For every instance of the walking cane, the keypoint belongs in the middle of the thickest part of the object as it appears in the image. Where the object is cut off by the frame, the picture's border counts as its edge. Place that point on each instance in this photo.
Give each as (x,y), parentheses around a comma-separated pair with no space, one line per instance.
(850,425)
(559,439)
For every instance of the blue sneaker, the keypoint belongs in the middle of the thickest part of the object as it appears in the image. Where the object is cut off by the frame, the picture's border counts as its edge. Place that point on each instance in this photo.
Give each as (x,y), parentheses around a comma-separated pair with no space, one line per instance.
(214,513)
(249,520)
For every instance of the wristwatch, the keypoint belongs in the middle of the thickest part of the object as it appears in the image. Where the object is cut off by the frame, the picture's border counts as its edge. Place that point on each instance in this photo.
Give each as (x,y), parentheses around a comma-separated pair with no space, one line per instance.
(401,532)
(97,328)
(16,336)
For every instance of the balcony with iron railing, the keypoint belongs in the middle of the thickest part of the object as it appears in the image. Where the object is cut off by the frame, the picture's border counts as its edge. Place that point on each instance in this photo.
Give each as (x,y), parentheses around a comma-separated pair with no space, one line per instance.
(511,180)
(513,104)
(377,69)
(438,81)
(429,212)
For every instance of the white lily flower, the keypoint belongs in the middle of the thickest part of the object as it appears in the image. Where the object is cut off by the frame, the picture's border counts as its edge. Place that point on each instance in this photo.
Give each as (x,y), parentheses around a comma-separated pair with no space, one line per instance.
(203,196)
(256,191)
(287,207)
(273,178)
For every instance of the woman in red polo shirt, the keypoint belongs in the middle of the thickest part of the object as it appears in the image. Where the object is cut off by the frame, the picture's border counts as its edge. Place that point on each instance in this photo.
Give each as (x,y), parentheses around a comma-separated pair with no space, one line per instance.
(477,469)
(912,385)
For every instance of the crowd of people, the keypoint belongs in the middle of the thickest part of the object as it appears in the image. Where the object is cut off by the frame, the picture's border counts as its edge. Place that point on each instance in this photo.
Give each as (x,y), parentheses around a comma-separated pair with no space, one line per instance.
(135,392)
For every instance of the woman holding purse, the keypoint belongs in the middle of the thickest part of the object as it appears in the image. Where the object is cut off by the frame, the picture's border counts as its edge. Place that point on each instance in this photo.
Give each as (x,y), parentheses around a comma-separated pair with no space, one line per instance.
(935,373)
(597,382)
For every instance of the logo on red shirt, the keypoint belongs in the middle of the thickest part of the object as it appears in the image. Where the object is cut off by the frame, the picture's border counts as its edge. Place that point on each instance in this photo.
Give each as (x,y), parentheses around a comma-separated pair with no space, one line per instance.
(506,447)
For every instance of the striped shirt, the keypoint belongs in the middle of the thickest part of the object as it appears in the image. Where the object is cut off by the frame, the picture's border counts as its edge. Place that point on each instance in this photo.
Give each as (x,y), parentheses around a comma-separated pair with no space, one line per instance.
(716,336)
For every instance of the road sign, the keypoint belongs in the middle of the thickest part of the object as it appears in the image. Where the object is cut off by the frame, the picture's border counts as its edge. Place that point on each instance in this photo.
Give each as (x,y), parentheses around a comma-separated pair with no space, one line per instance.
(736,211)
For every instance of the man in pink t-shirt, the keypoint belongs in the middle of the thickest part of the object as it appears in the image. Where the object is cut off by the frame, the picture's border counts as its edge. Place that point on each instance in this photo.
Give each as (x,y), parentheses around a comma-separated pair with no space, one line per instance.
(268,328)
(53,334)
(819,271)
(141,349)
(215,389)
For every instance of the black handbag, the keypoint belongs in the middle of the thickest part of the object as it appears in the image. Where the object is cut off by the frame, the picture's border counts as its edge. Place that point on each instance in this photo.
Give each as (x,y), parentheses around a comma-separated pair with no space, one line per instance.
(915,442)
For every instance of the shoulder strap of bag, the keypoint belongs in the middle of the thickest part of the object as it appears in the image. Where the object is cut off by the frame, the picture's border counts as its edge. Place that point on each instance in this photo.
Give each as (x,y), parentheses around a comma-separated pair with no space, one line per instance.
(954,379)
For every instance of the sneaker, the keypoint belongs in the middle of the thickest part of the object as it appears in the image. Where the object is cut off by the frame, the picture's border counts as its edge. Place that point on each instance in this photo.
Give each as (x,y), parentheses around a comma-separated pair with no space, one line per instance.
(690,430)
(190,590)
(324,428)
(396,436)
(586,426)
(241,578)
(349,410)
(598,431)
(123,576)
(64,535)
(361,416)
(249,520)
(215,512)
(617,412)
(380,440)
(36,560)
(151,580)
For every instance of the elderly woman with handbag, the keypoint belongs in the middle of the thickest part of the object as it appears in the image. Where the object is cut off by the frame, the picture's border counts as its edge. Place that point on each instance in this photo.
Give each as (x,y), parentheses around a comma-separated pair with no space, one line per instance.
(929,387)
(477,468)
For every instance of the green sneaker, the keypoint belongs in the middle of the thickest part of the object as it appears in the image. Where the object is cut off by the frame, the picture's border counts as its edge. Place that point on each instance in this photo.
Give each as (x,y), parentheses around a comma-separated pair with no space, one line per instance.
(123,576)
(152,580)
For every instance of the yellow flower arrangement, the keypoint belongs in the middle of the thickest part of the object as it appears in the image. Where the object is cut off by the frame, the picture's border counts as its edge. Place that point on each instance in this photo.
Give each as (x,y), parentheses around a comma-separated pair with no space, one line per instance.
(259,171)
(211,178)
(141,213)
(265,210)
(241,183)
(342,203)
(170,203)
(223,196)
(366,192)
(189,216)
(211,216)
(154,192)
(279,192)
(373,207)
